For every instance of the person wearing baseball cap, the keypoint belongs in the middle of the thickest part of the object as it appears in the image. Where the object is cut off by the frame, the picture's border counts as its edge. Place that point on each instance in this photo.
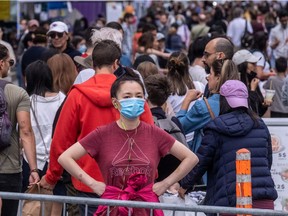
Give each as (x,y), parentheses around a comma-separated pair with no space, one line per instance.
(246,64)
(235,128)
(60,40)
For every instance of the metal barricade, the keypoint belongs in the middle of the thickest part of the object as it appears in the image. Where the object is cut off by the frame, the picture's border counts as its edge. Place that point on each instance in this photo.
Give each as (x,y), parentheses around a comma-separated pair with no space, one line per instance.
(135,204)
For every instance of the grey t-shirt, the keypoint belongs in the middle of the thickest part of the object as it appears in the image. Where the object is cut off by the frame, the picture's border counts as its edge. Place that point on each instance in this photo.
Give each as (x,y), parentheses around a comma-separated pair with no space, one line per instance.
(11,157)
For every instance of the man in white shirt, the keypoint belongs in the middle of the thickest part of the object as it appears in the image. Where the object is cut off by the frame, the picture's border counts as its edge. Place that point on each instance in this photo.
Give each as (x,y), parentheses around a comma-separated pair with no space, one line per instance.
(236,27)
(278,39)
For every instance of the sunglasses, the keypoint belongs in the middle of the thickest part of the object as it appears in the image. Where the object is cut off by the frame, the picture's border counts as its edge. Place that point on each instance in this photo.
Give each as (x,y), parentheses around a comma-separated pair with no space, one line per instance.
(58,34)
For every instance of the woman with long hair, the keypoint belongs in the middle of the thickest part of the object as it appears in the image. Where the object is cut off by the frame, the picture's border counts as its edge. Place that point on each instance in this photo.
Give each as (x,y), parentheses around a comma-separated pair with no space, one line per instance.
(246,64)
(45,102)
(64,72)
(199,115)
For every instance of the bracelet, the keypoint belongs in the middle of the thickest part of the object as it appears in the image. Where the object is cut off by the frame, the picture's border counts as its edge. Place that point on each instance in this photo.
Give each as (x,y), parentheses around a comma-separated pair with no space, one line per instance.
(34,170)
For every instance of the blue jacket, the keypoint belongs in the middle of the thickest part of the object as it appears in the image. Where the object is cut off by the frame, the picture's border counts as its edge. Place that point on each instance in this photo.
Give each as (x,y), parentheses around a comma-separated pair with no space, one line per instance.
(197,118)
(223,137)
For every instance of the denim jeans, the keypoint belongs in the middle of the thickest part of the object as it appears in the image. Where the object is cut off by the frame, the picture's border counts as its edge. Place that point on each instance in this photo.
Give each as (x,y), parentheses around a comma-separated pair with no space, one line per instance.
(10,183)
(91,209)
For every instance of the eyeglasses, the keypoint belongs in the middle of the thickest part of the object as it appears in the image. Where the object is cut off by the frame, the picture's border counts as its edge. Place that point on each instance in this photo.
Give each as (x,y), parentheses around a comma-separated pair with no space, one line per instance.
(58,34)
(207,54)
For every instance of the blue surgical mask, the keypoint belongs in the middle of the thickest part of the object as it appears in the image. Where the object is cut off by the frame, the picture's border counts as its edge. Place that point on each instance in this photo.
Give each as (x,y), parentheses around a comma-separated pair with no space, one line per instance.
(82,48)
(179,22)
(131,108)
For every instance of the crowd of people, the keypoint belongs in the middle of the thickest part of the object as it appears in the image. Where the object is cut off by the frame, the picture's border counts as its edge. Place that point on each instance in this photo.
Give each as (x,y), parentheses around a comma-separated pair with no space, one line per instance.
(85,117)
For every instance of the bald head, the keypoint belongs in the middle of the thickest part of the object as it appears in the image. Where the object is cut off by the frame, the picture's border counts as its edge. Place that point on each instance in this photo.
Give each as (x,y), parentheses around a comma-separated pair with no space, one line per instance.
(225,46)
(217,48)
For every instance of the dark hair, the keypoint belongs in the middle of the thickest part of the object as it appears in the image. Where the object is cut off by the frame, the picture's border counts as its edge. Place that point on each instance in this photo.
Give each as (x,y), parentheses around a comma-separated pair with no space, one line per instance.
(282,13)
(158,89)
(260,39)
(48,53)
(88,34)
(127,16)
(178,73)
(105,53)
(146,40)
(76,40)
(196,49)
(281,65)
(115,25)
(39,78)
(226,108)
(4,53)
(142,58)
(27,38)
(129,75)
(39,36)
(148,27)
(242,68)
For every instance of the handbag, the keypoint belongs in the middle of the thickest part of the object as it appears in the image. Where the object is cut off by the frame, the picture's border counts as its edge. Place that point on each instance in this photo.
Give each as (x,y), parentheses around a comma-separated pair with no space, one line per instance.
(34,207)
(247,39)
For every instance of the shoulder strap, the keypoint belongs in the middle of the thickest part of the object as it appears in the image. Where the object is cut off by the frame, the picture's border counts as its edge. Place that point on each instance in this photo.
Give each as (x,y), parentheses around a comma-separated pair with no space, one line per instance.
(209,108)
(38,126)
(3,83)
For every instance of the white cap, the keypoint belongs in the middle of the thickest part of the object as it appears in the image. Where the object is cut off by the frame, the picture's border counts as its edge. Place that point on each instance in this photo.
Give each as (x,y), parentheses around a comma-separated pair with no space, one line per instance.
(160,36)
(58,27)
(244,55)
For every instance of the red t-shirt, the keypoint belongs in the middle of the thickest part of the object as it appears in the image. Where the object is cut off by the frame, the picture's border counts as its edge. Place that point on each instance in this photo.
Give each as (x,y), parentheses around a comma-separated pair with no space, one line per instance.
(112,147)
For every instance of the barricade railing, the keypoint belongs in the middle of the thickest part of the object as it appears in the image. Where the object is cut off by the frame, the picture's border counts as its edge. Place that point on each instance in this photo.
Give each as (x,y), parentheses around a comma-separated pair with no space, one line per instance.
(135,204)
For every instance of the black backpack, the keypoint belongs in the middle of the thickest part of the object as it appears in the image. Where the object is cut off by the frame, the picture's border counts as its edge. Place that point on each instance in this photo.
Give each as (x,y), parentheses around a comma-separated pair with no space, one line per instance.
(247,39)
(5,123)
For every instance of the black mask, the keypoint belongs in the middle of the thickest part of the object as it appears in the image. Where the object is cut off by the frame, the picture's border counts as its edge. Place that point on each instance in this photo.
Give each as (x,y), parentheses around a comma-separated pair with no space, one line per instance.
(251,76)
(207,68)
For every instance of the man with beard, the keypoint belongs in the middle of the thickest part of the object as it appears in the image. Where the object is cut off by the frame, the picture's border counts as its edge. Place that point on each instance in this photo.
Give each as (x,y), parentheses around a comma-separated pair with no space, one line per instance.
(217,48)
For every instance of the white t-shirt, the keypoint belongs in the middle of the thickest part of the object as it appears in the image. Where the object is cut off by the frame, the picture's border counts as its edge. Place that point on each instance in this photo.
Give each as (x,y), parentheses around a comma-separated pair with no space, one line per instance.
(45,109)
(236,28)
(198,73)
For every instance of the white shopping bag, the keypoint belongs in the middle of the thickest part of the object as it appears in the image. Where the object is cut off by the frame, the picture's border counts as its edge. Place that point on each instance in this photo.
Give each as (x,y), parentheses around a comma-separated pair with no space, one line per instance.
(172,199)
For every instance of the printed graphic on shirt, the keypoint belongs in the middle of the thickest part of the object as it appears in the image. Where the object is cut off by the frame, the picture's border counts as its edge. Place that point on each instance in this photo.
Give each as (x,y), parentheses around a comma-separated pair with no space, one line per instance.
(129,160)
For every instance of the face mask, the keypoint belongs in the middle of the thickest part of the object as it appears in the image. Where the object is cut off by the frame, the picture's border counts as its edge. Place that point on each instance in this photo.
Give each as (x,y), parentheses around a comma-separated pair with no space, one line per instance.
(82,48)
(179,22)
(251,76)
(284,26)
(131,108)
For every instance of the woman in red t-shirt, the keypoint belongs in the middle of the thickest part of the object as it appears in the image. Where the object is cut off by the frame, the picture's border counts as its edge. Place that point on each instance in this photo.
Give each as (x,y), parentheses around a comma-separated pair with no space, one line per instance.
(128,152)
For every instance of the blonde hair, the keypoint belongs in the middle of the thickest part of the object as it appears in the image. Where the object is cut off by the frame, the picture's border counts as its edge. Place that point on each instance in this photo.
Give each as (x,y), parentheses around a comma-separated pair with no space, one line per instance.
(147,68)
(64,72)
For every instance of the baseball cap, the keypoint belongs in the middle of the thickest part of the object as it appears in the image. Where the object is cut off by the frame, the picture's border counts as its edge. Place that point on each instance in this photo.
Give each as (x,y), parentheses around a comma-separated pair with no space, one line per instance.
(85,62)
(235,92)
(33,22)
(244,55)
(160,36)
(58,27)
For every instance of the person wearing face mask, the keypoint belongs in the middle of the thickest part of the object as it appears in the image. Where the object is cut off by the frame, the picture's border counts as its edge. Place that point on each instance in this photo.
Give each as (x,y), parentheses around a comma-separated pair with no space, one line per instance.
(183,30)
(79,43)
(278,39)
(128,158)
(87,106)
(246,64)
